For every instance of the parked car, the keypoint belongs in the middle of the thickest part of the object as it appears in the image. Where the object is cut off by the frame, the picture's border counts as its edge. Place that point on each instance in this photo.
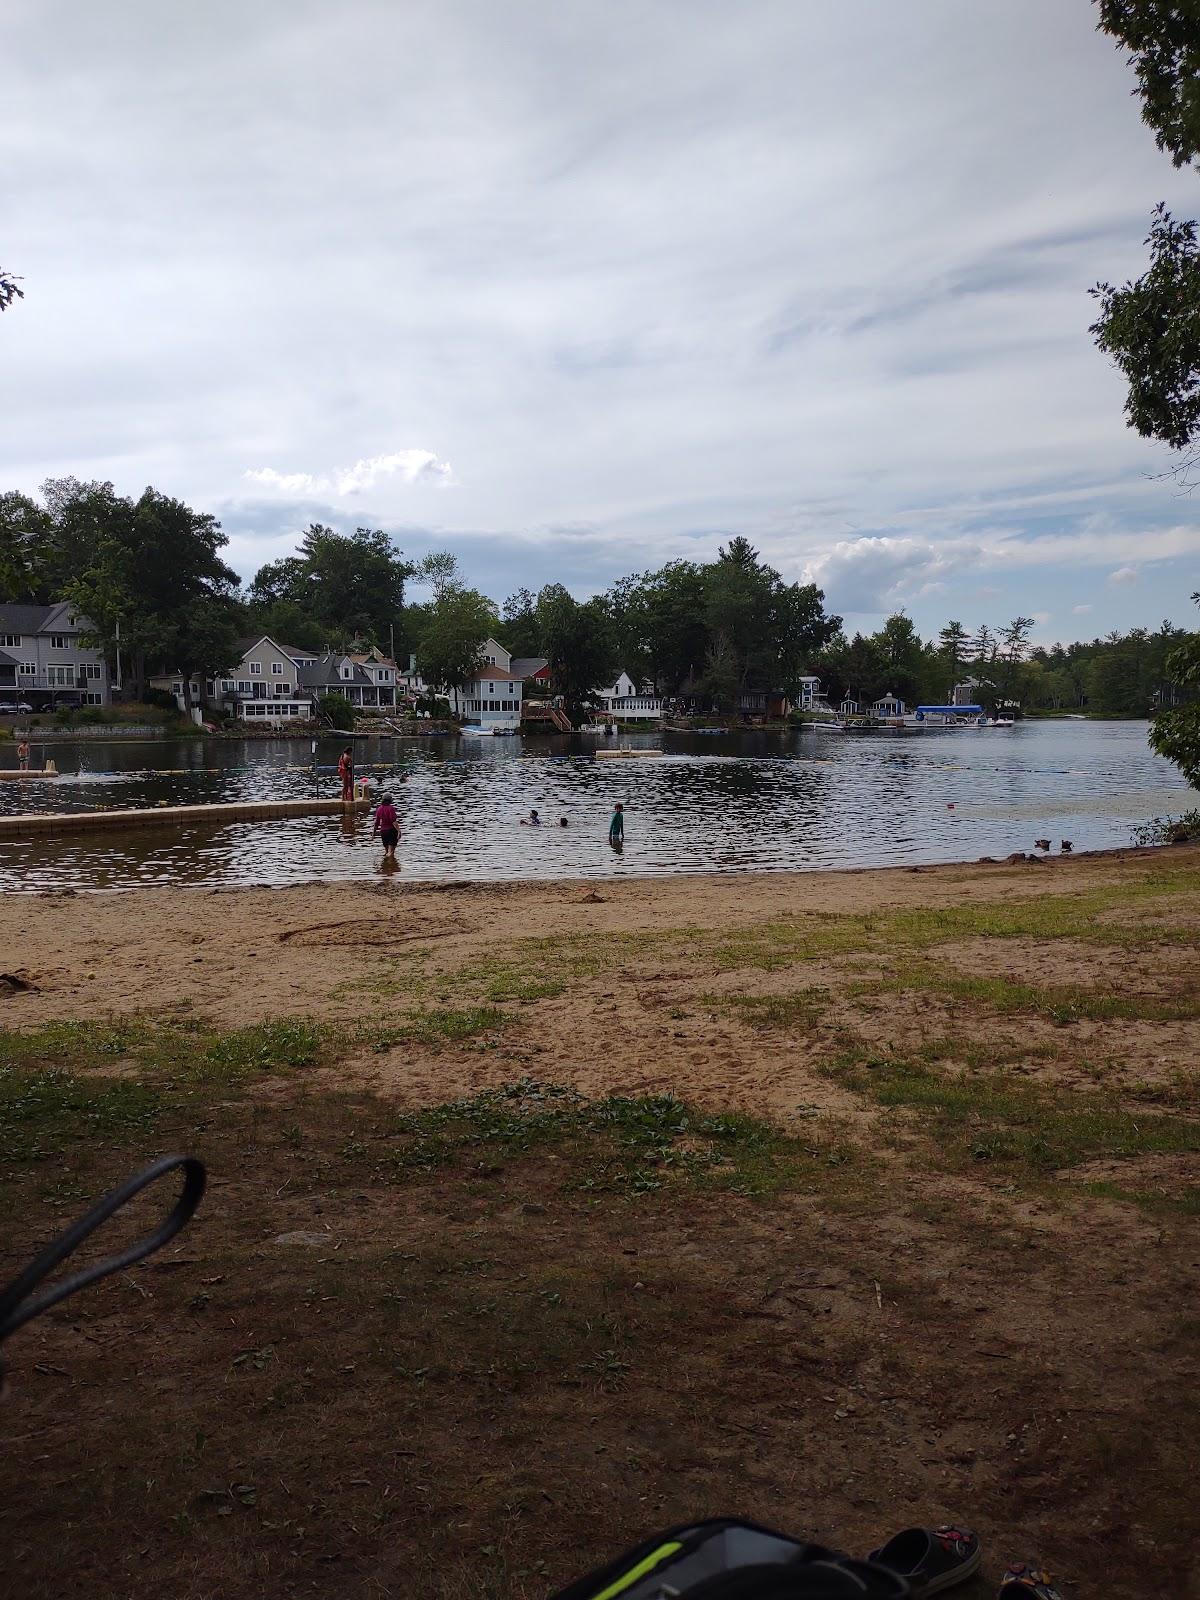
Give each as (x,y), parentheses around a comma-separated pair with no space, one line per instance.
(24,707)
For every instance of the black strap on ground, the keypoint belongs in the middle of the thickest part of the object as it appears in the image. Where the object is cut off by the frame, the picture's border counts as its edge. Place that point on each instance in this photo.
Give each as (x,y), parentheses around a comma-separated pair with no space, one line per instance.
(19,1304)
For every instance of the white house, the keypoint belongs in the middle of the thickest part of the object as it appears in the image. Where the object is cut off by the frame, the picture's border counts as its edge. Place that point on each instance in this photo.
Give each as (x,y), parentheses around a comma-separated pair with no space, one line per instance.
(811,695)
(625,700)
(889,706)
(263,689)
(492,698)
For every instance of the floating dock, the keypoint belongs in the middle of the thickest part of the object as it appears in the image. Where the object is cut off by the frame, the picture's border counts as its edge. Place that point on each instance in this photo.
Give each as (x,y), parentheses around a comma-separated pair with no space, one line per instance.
(614,755)
(17,776)
(32,822)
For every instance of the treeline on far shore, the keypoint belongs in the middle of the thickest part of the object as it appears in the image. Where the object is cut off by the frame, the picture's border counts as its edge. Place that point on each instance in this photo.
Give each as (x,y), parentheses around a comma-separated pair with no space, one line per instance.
(150,573)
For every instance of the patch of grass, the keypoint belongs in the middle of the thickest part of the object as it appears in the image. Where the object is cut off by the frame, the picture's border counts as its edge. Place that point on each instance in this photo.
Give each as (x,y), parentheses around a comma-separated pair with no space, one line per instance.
(173,1051)
(450,1025)
(1062,1003)
(264,1047)
(1010,1122)
(799,1011)
(524,987)
(1186,1204)
(171,1047)
(985,1055)
(44,1113)
(625,1144)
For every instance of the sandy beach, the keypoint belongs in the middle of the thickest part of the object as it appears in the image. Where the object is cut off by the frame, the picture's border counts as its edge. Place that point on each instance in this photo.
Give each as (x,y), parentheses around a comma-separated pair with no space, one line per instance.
(541,1216)
(633,953)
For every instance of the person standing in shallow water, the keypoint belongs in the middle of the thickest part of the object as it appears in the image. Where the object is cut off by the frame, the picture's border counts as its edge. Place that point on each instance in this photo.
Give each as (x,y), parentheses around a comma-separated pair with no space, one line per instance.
(346,772)
(387,826)
(616,828)
(23,755)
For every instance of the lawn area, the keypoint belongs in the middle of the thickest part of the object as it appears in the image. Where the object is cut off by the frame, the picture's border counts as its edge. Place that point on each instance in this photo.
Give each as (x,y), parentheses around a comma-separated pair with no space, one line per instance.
(842,1220)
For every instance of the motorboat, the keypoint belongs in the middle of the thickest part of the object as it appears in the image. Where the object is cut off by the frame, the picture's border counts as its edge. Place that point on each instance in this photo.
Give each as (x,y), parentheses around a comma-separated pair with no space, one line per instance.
(969,716)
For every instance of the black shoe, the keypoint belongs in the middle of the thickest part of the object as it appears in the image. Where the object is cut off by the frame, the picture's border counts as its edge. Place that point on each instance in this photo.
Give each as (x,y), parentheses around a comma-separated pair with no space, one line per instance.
(931,1559)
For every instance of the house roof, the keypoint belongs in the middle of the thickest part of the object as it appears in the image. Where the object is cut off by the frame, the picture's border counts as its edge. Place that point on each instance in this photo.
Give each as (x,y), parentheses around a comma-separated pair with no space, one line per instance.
(527,666)
(244,646)
(40,618)
(375,657)
(6,660)
(328,672)
(498,673)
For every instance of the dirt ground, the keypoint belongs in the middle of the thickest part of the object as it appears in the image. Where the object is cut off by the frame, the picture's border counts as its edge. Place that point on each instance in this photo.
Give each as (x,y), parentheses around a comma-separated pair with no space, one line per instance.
(925,1246)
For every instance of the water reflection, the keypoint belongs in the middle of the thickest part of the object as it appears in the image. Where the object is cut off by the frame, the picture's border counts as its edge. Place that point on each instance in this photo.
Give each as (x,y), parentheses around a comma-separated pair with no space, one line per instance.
(755,800)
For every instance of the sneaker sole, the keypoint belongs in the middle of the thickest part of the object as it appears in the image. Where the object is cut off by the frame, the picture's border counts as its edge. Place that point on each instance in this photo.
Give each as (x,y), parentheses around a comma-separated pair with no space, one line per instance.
(960,1574)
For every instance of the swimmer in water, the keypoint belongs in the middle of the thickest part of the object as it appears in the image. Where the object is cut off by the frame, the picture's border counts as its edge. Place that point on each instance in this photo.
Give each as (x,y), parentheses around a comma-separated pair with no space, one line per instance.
(531,821)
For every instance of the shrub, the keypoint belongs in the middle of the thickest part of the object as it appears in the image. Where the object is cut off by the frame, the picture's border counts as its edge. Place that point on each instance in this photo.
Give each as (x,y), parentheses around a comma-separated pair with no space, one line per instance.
(337,710)
(1169,830)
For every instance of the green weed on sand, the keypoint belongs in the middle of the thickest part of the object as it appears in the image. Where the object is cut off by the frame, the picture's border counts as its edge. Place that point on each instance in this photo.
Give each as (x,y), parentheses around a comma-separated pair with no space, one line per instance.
(996,1117)
(624,1143)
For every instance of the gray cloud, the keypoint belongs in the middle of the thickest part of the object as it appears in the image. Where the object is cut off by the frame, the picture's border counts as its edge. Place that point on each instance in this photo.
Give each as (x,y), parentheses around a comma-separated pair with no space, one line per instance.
(644,275)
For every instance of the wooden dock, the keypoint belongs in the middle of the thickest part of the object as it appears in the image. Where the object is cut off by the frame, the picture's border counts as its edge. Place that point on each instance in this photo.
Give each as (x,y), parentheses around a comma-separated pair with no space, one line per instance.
(17,776)
(627,755)
(28,823)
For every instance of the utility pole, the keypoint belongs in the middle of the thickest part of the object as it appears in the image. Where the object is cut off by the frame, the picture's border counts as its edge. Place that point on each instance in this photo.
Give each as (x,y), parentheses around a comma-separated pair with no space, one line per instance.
(117,684)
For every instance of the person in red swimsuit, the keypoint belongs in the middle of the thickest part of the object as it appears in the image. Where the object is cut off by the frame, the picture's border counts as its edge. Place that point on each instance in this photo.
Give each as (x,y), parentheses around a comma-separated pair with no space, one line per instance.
(346,773)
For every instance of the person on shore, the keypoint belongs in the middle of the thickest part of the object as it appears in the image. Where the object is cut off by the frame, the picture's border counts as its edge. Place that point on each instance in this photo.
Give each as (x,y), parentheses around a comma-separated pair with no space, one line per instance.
(531,821)
(616,828)
(23,755)
(346,773)
(387,826)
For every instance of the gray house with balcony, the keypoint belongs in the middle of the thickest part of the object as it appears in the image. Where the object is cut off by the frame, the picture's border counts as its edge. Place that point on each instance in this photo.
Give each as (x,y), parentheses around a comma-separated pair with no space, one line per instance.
(44,664)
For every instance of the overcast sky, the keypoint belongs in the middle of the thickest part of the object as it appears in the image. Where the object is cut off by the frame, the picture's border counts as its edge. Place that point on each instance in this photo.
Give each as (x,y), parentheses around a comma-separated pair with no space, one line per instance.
(574,287)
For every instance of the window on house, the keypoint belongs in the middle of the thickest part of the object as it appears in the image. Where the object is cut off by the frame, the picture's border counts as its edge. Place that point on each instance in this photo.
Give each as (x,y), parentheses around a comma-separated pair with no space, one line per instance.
(255,669)
(60,641)
(227,685)
(9,640)
(60,677)
(244,687)
(276,668)
(347,672)
(93,669)
(94,699)
(27,667)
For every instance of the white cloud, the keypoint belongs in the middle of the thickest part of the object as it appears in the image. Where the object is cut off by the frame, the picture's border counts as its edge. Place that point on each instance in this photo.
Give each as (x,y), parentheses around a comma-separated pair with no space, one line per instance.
(1042,617)
(1080,611)
(409,466)
(284,482)
(1123,575)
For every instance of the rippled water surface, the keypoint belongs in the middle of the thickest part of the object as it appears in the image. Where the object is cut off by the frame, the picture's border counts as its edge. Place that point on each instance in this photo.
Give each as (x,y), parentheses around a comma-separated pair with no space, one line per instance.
(729,803)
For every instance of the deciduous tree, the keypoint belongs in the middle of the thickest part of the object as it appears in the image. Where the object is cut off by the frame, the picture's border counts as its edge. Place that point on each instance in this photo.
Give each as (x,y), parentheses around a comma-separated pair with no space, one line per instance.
(1151,326)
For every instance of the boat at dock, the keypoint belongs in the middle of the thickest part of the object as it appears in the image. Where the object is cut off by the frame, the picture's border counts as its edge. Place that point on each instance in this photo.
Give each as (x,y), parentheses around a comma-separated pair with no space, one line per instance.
(933,717)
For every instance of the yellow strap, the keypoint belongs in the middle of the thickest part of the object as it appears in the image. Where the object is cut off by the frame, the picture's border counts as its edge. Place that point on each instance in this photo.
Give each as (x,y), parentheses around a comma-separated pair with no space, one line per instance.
(640,1571)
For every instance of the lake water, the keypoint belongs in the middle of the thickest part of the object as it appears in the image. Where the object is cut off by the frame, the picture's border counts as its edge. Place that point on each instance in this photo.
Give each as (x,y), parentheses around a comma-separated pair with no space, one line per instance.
(750,800)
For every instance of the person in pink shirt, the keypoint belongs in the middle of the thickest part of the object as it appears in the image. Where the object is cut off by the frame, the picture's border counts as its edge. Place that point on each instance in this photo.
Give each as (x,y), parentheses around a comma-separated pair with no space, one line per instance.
(387,826)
